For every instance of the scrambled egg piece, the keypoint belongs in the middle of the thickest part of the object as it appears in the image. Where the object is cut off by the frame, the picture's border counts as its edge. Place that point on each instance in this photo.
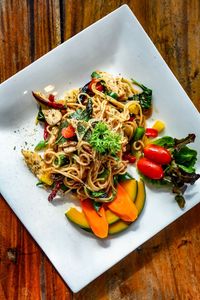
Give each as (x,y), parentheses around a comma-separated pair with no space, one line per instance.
(37,166)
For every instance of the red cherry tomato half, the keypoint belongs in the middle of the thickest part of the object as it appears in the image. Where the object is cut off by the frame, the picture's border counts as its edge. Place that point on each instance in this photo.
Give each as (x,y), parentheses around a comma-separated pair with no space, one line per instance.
(98,84)
(68,132)
(157,154)
(151,132)
(131,158)
(150,169)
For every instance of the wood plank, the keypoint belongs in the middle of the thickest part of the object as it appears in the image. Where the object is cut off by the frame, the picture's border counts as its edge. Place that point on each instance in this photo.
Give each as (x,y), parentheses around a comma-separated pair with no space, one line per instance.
(14,37)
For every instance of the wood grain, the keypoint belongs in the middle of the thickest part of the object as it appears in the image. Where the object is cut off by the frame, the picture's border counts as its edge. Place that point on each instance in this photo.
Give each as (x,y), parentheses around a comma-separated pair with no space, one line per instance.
(167,266)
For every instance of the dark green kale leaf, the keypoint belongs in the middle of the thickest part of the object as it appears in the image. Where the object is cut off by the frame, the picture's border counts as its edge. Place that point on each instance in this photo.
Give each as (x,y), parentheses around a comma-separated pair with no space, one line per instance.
(83,131)
(166,142)
(186,158)
(144,98)
(97,206)
(83,114)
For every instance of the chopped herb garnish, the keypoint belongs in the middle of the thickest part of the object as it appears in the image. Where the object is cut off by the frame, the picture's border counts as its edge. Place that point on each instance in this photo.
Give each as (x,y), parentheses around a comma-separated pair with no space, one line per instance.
(104,141)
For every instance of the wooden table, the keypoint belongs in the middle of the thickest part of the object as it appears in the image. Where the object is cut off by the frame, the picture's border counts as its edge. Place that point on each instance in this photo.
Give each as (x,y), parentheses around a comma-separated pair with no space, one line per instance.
(167,266)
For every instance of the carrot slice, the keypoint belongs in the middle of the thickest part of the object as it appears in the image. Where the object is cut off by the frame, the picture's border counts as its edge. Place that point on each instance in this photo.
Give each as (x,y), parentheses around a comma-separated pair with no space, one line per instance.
(97,221)
(123,206)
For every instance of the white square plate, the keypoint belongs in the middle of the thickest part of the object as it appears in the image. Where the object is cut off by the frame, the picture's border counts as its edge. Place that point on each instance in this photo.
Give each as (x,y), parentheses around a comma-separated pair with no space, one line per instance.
(115,44)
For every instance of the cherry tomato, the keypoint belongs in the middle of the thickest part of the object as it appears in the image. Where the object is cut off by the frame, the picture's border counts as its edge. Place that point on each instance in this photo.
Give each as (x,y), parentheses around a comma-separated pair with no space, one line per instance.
(151,132)
(157,154)
(149,168)
(98,84)
(131,158)
(68,132)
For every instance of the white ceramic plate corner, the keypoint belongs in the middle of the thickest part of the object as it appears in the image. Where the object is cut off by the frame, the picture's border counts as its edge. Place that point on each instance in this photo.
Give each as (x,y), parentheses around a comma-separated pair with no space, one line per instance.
(117,44)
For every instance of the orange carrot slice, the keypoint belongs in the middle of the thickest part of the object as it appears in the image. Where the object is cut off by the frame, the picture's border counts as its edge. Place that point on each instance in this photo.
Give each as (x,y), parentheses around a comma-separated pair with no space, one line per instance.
(123,206)
(97,221)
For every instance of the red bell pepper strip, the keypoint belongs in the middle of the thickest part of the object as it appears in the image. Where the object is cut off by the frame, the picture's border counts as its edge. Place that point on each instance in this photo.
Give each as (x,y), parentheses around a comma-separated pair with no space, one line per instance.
(131,119)
(51,98)
(54,191)
(47,102)
(131,158)
(45,134)
(98,84)
(151,132)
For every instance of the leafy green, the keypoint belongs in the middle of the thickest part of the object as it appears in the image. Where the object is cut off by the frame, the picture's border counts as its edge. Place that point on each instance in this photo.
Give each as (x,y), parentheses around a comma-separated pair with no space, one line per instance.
(123,177)
(83,131)
(85,114)
(60,138)
(63,187)
(99,194)
(180,200)
(181,170)
(104,141)
(186,158)
(144,98)
(41,145)
(61,160)
(179,143)
(104,174)
(39,183)
(166,141)
(40,115)
(95,75)
(97,206)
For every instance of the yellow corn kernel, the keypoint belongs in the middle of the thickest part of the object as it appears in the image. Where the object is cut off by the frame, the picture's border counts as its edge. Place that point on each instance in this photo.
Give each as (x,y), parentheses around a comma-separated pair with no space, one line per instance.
(133,109)
(46,178)
(159,125)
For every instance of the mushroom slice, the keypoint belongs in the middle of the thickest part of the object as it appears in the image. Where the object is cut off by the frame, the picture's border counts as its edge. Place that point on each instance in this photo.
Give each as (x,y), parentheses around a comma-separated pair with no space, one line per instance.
(52,116)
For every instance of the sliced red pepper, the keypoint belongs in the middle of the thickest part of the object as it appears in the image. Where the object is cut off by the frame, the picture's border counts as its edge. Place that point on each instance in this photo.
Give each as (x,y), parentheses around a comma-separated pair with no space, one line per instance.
(45,134)
(132,118)
(51,98)
(47,102)
(68,132)
(54,191)
(151,132)
(131,158)
(99,86)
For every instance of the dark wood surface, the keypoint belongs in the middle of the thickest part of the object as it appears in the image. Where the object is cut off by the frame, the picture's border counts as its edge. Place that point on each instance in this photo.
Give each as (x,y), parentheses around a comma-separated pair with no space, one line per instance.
(168,265)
